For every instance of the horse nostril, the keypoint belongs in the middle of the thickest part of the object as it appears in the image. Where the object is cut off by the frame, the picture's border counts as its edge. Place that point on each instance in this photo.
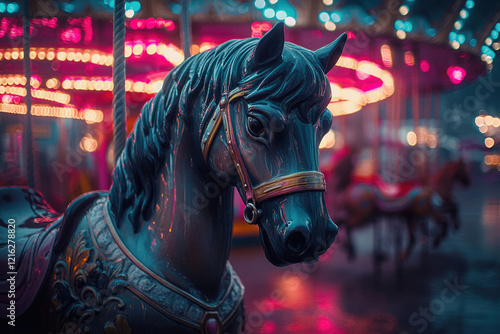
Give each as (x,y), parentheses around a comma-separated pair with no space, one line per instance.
(296,242)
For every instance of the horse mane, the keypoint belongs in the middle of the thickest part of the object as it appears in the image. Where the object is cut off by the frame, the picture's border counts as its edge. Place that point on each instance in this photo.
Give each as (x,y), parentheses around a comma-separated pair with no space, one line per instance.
(207,76)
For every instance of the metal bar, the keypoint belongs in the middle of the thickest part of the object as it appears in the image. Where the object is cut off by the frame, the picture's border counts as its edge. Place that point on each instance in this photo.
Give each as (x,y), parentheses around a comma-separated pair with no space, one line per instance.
(185,28)
(119,111)
(28,127)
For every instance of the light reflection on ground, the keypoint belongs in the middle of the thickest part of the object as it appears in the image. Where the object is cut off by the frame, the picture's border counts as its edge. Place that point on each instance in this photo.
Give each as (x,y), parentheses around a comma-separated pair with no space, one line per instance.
(338,296)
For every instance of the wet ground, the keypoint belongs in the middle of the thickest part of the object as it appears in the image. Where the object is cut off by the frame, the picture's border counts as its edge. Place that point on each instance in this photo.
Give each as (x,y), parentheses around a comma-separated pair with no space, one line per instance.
(454,289)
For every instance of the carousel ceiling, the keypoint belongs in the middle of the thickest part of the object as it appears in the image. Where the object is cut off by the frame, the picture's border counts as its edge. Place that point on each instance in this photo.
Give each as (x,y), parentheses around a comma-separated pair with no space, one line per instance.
(394,45)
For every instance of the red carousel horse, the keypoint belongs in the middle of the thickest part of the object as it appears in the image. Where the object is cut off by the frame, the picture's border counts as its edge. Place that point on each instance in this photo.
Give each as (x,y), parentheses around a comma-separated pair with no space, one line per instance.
(362,199)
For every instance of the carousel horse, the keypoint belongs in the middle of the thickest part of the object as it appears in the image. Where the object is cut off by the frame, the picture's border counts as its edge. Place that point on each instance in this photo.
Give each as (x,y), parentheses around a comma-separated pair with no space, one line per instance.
(443,183)
(152,254)
(366,199)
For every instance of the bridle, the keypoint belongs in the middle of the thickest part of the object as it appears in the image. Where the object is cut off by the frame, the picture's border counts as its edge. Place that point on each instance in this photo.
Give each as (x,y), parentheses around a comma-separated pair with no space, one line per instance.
(282,185)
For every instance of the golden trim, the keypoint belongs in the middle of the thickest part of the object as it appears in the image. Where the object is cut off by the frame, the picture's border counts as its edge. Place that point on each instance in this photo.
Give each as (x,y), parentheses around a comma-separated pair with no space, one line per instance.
(213,128)
(212,134)
(303,181)
(236,94)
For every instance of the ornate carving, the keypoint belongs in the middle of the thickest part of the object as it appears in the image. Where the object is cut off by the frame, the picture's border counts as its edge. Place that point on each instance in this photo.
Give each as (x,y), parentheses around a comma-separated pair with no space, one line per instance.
(120,326)
(84,285)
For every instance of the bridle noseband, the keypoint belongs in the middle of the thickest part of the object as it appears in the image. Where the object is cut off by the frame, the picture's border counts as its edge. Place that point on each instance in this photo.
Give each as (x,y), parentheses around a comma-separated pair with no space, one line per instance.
(296,182)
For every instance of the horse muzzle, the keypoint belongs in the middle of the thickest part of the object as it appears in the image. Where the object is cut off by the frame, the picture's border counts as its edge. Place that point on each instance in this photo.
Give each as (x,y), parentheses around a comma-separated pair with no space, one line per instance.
(296,228)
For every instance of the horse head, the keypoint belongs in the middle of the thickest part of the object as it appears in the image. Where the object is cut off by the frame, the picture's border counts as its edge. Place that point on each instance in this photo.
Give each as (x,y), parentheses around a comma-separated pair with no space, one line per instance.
(273,123)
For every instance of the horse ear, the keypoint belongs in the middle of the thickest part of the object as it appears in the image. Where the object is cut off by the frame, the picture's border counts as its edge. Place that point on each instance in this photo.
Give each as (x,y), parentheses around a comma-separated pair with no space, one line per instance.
(330,54)
(270,47)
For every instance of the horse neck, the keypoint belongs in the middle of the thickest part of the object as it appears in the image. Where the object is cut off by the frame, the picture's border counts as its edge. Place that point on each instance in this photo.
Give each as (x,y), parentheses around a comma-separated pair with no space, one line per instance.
(443,183)
(188,237)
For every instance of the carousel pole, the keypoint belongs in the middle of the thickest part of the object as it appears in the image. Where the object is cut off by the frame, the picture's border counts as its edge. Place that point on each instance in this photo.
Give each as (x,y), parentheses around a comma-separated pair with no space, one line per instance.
(390,125)
(438,130)
(28,129)
(427,116)
(420,170)
(376,141)
(119,111)
(400,110)
(185,28)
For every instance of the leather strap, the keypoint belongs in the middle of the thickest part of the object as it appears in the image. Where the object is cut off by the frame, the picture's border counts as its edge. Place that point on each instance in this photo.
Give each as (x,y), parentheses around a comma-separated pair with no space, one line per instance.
(296,182)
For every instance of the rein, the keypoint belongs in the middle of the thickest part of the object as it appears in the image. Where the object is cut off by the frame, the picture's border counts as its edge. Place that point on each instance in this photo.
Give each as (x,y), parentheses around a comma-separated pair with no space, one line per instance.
(277,186)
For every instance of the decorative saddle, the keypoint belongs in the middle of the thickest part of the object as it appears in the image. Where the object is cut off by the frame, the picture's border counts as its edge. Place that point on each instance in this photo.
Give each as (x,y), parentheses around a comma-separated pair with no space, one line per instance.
(39,232)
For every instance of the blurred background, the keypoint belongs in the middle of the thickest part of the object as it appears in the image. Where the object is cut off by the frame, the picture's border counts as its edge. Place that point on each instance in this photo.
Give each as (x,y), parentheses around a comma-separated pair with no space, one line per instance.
(412,160)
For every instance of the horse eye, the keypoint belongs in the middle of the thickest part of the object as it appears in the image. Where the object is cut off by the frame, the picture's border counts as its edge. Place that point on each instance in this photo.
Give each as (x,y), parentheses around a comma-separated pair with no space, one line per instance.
(255,126)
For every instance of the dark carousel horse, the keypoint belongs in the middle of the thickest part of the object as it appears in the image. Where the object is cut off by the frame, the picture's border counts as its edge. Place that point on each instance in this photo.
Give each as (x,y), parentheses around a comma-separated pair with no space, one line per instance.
(443,183)
(152,254)
(365,200)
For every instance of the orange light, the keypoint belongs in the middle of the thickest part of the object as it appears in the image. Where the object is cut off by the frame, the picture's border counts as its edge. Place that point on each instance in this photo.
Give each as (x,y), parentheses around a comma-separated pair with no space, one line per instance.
(195,49)
(385,52)
(330,26)
(205,46)
(162,48)
(139,87)
(95,116)
(88,143)
(432,141)
(411,138)
(496,122)
(51,54)
(489,142)
(109,61)
(61,56)
(86,57)
(151,49)
(401,34)
(409,58)
(138,49)
(328,140)
(66,84)
(404,10)
(349,100)
(488,160)
(102,59)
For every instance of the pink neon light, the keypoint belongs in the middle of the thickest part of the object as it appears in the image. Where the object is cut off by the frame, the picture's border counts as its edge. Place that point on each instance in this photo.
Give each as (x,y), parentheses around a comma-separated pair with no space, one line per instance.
(456,74)
(87,27)
(259,28)
(150,23)
(324,324)
(424,66)
(71,35)
(51,23)
(269,327)
(351,35)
